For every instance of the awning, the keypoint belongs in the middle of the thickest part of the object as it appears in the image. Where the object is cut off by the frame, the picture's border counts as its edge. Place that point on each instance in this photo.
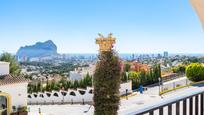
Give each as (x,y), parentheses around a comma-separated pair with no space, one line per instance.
(199,7)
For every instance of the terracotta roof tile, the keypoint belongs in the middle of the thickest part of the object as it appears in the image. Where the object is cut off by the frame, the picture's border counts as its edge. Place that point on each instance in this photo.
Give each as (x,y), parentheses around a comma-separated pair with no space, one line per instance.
(8,79)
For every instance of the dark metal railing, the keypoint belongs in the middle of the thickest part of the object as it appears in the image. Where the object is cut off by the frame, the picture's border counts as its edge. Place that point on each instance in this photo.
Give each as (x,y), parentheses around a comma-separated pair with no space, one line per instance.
(190,104)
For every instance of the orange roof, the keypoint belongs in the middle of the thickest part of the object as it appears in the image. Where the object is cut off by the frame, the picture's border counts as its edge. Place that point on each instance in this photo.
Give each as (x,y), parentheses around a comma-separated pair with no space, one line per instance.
(8,79)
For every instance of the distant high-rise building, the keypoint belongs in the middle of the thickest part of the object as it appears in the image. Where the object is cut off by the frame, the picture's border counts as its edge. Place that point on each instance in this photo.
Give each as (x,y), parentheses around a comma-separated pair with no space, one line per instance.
(166,54)
(152,55)
(133,56)
(159,56)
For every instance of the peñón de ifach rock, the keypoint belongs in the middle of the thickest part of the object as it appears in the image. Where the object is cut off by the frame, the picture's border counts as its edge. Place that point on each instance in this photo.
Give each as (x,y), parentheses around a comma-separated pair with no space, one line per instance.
(40,49)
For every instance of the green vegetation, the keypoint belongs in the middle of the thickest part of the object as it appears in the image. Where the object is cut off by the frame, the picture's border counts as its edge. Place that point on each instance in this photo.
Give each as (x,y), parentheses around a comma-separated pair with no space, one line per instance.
(52,68)
(14,66)
(127,68)
(195,72)
(62,84)
(179,69)
(107,84)
(143,78)
(124,77)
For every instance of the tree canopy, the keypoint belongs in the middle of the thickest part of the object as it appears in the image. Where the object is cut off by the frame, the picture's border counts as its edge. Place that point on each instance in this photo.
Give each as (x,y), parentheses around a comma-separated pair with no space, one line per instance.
(14,66)
(62,84)
(195,72)
(179,69)
(145,78)
(107,84)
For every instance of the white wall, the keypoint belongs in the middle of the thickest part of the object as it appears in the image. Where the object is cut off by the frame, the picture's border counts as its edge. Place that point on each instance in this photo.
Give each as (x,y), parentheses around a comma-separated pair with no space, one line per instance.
(88,97)
(4,68)
(18,93)
(126,86)
(74,75)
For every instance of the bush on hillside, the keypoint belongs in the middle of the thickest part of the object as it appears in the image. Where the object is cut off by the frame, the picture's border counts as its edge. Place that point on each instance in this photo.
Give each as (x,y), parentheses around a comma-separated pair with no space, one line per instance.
(195,72)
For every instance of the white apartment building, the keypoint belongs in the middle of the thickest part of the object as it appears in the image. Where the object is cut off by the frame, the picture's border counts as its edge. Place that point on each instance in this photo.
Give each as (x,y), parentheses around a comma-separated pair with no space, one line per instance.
(80,73)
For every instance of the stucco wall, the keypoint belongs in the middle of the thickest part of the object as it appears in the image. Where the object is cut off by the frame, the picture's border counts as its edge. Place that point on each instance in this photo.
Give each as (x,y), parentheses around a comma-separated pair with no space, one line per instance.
(4,68)
(126,86)
(18,93)
(43,98)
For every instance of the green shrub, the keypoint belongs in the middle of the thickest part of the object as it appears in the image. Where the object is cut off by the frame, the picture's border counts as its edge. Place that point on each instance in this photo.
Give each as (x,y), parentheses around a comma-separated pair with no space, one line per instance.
(22,109)
(195,72)
(14,108)
(179,69)
(107,84)
(178,85)
(165,89)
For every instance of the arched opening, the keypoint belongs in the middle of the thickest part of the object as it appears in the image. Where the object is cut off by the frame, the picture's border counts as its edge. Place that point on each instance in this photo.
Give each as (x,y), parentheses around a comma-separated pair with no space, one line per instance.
(29,96)
(55,94)
(72,93)
(48,94)
(35,95)
(91,91)
(82,92)
(5,104)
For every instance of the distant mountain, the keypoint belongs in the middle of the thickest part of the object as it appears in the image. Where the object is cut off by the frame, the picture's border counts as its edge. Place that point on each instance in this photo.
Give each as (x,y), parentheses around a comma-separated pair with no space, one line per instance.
(40,49)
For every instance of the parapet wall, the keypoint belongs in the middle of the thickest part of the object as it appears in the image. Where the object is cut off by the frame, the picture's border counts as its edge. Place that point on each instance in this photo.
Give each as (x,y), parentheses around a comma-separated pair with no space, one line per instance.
(71,96)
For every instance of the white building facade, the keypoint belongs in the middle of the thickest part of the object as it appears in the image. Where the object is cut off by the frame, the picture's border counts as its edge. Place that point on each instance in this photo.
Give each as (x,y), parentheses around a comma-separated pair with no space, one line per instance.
(4,68)
(18,93)
(80,73)
(15,89)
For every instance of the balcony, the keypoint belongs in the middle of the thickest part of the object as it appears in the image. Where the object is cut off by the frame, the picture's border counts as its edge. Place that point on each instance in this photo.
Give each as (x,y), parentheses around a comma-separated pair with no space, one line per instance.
(189,104)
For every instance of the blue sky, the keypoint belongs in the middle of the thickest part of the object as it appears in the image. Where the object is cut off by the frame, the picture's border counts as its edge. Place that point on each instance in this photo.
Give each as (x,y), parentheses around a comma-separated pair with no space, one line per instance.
(140,26)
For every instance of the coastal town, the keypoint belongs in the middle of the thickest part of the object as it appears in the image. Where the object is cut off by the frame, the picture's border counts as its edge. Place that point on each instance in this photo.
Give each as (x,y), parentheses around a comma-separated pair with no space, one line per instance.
(40,79)
(39,86)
